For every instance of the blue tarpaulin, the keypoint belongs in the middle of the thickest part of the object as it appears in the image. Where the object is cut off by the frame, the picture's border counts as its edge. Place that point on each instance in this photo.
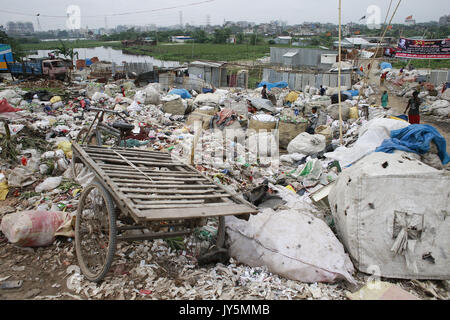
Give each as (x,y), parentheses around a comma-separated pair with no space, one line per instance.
(353,93)
(181,92)
(385,65)
(88,62)
(415,138)
(281,84)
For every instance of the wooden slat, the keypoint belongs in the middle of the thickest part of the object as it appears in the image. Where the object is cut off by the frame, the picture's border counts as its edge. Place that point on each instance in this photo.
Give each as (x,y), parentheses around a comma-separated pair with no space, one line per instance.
(155,164)
(139,201)
(131,158)
(146,153)
(138,175)
(145,169)
(218,195)
(168,206)
(174,191)
(161,180)
(152,174)
(165,186)
(188,213)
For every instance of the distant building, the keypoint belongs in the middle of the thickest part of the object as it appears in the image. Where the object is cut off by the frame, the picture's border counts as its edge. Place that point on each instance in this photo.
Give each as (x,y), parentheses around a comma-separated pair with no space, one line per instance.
(295,58)
(181,39)
(444,20)
(19,28)
(283,40)
(358,43)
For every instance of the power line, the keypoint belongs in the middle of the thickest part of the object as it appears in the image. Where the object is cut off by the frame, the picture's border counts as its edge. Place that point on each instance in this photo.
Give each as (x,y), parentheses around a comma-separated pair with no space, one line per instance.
(113,14)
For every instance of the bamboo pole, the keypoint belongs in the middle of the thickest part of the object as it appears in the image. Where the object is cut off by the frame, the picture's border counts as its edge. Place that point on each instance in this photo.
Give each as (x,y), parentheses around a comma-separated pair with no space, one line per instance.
(339,79)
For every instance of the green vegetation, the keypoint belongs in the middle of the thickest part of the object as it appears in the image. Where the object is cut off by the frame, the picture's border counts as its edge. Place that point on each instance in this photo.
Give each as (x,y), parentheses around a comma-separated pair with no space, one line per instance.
(423,63)
(204,51)
(50,45)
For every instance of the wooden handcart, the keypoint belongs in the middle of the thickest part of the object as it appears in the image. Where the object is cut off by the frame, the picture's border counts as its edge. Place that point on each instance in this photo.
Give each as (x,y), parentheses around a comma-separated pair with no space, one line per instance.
(146,190)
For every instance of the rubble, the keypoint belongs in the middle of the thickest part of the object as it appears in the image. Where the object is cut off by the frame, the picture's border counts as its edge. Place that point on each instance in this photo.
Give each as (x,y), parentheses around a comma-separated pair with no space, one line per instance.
(238,148)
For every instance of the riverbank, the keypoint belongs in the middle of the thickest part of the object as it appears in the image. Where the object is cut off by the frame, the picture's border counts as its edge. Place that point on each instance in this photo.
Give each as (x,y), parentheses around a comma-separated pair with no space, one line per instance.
(182,52)
(50,45)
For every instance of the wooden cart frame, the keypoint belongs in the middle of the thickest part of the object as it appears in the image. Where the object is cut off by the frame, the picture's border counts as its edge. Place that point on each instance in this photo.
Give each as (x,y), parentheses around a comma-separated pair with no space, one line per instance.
(149,189)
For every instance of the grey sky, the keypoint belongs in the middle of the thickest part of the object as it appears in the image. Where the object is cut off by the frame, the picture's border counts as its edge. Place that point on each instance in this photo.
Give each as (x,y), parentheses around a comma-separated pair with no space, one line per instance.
(292,11)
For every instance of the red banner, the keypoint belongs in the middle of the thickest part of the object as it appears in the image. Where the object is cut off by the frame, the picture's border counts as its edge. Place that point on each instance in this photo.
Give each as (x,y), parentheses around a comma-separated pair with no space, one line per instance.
(423,49)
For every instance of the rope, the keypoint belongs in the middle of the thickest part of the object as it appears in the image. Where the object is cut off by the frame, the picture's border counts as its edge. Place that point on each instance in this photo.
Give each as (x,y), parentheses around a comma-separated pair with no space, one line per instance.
(131,164)
(378,45)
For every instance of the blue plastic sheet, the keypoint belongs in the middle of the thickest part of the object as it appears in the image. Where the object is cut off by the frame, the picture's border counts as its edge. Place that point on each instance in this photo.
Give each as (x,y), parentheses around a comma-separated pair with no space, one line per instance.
(281,84)
(415,138)
(88,62)
(182,93)
(385,65)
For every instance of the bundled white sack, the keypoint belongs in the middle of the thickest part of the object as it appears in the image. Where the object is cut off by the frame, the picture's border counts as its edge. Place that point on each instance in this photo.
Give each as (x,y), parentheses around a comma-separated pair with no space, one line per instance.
(295,245)
(390,213)
(140,96)
(306,143)
(371,135)
(438,104)
(208,99)
(98,95)
(152,94)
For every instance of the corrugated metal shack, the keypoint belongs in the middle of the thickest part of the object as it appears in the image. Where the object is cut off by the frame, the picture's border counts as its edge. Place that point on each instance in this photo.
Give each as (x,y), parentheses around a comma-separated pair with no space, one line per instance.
(214,73)
(300,57)
(298,80)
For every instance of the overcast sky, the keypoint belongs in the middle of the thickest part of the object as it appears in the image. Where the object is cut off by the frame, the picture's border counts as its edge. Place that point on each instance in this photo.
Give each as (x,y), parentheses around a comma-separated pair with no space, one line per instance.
(292,11)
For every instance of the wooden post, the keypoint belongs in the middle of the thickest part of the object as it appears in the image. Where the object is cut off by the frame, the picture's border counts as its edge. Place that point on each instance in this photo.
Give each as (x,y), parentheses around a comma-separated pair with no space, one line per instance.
(339,79)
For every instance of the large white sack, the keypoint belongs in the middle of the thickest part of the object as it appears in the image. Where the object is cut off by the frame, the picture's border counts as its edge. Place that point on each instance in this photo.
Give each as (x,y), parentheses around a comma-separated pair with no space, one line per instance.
(306,143)
(152,94)
(441,112)
(446,95)
(207,98)
(438,104)
(390,212)
(290,243)
(371,136)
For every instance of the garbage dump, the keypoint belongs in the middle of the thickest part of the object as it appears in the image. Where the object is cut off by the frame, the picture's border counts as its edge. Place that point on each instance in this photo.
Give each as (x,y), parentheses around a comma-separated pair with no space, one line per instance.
(284,155)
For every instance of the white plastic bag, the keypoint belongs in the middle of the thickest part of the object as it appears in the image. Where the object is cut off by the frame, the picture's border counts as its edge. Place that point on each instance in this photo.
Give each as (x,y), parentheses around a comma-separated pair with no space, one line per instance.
(306,143)
(295,245)
(49,184)
(36,228)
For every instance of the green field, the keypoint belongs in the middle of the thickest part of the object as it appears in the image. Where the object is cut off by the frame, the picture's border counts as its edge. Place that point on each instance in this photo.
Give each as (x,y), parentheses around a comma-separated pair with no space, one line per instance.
(49,45)
(424,63)
(174,52)
(204,51)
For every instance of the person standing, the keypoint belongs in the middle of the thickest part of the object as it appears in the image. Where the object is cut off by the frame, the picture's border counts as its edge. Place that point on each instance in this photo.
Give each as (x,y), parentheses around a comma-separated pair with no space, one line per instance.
(313,119)
(322,90)
(413,106)
(384,99)
(264,92)
(382,78)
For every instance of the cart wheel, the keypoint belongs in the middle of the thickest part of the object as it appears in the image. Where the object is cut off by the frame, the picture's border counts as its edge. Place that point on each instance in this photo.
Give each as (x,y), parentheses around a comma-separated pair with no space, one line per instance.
(95,232)
(92,139)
